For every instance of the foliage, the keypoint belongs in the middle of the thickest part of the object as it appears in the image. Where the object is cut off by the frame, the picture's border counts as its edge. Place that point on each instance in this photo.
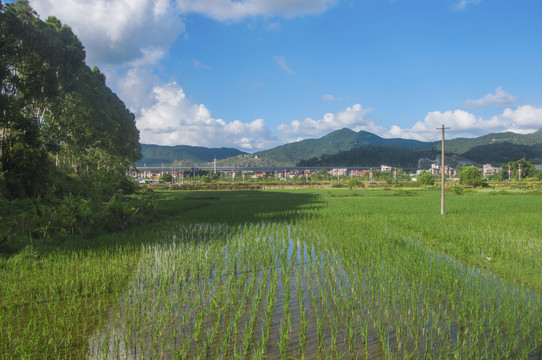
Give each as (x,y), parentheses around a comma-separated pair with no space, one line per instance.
(457,190)
(57,114)
(426,179)
(167,178)
(158,155)
(354,182)
(471,176)
(527,170)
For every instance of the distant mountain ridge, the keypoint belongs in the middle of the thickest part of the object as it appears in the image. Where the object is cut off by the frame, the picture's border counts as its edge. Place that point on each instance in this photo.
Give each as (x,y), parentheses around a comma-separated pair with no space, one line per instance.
(160,155)
(463,145)
(332,143)
(493,147)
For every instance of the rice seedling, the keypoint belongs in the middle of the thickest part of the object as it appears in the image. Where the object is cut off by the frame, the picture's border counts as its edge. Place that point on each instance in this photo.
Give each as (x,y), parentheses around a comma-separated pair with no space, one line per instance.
(370,279)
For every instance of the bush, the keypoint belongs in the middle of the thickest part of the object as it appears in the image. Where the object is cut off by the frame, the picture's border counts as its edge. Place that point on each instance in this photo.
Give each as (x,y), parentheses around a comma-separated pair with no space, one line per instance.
(427,179)
(471,176)
(457,190)
(167,178)
(354,183)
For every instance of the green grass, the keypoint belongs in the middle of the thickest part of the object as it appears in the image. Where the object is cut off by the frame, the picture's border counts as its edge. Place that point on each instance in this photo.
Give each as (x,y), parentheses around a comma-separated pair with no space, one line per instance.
(289,273)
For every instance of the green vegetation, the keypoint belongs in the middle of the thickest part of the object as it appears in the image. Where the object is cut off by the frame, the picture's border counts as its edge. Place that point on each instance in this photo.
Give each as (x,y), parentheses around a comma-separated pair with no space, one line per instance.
(372,155)
(503,152)
(182,155)
(66,139)
(290,274)
(426,179)
(332,143)
(471,176)
(464,145)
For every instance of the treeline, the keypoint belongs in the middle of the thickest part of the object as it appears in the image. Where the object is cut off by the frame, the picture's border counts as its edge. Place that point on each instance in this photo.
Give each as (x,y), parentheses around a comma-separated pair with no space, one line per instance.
(371,155)
(59,122)
(66,139)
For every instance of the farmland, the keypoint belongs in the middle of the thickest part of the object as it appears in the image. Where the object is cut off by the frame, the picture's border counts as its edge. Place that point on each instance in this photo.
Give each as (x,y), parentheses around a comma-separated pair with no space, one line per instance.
(328,273)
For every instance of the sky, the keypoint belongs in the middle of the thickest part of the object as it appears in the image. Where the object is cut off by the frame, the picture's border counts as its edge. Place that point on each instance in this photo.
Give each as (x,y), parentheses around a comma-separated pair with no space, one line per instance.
(254,74)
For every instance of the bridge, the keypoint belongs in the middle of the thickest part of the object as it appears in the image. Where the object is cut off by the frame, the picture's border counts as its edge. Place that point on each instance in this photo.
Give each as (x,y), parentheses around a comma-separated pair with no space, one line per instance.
(178,169)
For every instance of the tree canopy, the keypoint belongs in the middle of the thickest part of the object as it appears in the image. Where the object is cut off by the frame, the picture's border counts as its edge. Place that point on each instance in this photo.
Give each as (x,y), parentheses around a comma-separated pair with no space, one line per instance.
(57,115)
(471,176)
(427,179)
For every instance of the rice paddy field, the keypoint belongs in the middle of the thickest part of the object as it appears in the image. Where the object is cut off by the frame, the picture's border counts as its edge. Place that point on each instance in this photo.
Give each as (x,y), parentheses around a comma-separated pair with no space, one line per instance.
(289,274)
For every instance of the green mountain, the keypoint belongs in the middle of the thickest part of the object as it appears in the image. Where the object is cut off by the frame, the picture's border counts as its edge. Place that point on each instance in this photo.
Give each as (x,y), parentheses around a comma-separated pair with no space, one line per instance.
(463,145)
(158,155)
(373,155)
(332,143)
(492,148)
(503,152)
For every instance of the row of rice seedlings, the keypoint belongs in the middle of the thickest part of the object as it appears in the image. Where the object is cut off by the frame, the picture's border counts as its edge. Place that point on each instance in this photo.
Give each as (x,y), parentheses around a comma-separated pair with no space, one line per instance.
(49,304)
(390,281)
(368,297)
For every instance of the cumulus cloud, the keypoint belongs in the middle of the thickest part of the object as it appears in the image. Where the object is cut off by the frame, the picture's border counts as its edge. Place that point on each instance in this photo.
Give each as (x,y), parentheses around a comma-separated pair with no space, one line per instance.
(174,119)
(500,98)
(236,10)
(329,97)
(462,4)
(118,31)
(282,63)
(524,119)
(354,117)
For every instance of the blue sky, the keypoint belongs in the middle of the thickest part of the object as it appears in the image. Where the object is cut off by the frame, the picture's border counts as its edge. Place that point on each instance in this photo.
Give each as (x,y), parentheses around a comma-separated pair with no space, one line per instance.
(254,74)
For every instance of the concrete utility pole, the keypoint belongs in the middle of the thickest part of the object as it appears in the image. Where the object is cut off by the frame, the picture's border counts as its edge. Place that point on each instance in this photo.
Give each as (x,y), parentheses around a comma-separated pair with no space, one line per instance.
(442,172)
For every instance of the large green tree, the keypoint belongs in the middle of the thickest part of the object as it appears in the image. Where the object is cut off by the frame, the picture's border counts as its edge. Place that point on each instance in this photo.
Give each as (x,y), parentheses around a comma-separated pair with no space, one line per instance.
(471,176)
(527,169)
(56,113)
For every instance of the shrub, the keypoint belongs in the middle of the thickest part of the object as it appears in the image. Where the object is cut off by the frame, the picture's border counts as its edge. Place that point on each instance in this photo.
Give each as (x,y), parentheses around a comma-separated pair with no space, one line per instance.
(471,176)
(427,179)
(457,190)
(354,183)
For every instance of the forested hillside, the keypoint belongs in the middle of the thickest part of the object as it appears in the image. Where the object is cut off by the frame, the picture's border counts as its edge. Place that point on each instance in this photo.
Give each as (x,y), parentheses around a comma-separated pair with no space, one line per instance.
(158,155)
(332,143)
(58,118)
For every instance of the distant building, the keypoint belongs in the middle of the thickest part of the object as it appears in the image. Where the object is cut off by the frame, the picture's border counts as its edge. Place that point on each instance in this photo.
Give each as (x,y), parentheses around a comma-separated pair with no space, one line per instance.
(489,169)
(435,170)
(340,172)
(358,172)
(385,168)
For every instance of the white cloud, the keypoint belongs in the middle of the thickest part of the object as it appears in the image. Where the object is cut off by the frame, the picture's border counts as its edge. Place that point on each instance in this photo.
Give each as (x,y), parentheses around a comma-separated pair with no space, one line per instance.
(236,10)
(118,31)
(462,4)
(354,117)
(282,63)
(174,119)
(524,119)
(500,98)
(329,97)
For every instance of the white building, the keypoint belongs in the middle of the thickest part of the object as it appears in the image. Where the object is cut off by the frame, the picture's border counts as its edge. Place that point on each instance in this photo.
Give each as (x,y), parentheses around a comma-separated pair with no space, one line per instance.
(489,169)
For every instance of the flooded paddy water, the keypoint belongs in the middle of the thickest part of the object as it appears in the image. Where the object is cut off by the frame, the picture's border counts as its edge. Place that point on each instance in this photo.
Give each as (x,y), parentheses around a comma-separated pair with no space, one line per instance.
(282,291)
